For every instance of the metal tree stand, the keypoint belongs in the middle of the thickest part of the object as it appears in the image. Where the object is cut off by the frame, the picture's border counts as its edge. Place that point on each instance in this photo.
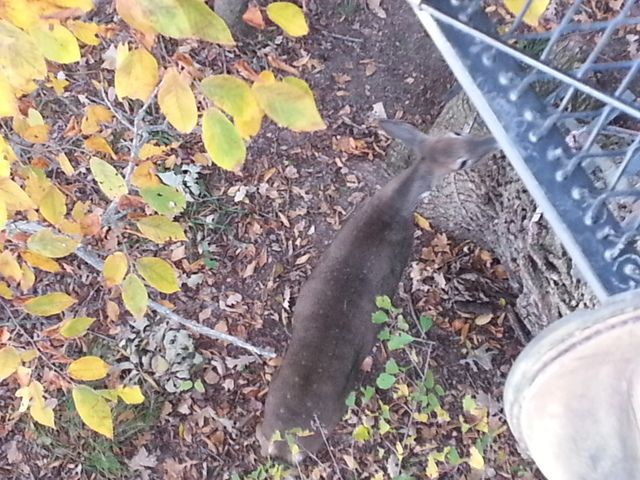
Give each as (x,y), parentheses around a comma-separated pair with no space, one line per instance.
(571,130)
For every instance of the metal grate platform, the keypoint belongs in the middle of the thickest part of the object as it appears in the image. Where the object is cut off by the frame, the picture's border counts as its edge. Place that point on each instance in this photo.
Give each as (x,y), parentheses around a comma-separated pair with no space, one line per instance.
(562,102)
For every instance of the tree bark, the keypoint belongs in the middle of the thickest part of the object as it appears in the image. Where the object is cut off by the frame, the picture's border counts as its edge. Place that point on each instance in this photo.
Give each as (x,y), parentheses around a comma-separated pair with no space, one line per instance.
(490,206)
(231,12)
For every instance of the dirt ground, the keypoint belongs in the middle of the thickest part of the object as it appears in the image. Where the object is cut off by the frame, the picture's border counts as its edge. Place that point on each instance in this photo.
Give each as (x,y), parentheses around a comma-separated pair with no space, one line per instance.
(253,240)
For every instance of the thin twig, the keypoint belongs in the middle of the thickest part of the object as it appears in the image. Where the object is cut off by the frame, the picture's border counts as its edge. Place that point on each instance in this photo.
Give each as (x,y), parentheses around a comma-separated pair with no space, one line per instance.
(326,444)
(92,259)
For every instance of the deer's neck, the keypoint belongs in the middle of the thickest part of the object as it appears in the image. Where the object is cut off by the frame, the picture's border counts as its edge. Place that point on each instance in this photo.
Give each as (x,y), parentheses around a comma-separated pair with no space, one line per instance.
(403,193)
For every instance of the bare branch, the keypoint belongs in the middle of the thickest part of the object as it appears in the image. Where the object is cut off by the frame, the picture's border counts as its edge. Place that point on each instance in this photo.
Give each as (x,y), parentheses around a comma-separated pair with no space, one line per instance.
(92,259)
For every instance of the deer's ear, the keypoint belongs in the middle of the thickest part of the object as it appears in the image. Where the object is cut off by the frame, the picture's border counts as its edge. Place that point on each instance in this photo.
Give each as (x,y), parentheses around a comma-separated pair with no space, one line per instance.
(407,134)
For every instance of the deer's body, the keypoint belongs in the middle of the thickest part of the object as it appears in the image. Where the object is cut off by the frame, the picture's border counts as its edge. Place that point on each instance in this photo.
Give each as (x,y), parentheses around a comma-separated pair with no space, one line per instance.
(332,327)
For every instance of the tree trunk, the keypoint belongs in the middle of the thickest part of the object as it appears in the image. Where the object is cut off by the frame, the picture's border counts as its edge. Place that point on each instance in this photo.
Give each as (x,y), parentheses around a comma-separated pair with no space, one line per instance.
(231,12)
(490,206)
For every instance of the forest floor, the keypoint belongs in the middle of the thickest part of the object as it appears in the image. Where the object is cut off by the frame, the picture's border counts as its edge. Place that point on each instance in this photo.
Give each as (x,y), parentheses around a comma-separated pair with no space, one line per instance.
(253,239)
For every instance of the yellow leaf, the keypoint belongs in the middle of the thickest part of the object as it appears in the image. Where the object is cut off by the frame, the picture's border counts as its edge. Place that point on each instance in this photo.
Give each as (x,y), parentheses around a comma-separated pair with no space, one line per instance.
(136,75)
(99,144)
(36,184)
(5,291)
(56,42)
(109,180)
(9,361)
(4,215)
(94,116)
(75,327)
(83,5)
(93,410)
(289,17)
(40,261)
(49,304)
(361,433)
(144,175)
(115,268)
(422,222)
(14,197)
(8,102)
(20,58)
(28,355)
(290,104)
(88,368)
(79,211)
(53,205)
(58,84)
(149,150)
(86,32)
(47,243)
(130,395)
(432,469)
(534,12)
(134,295)
(475,459)
(160,229)
(39,410)
(158,273)
(183,19)
(5,168)
(177,102)
(28,278)
(9,267)
(234,96)
(6,153)
(132,13)
(32,127)
(222,140)
(65,164)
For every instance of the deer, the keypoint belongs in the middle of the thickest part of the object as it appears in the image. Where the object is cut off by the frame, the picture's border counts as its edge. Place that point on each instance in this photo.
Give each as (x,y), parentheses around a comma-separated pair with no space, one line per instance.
(332,328)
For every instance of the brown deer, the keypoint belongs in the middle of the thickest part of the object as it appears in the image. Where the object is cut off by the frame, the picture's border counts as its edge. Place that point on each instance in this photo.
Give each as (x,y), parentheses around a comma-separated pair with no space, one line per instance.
(332,327)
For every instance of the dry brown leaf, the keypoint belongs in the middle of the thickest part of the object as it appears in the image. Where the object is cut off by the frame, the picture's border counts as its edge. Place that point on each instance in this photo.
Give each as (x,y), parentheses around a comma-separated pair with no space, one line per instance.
(275,62)
(253,16)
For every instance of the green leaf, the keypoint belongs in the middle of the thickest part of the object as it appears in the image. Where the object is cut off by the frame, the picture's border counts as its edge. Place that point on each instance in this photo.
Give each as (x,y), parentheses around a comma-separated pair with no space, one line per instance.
(367,393)
(385,381)
(438,390)
(134,295)
(158,273)
(75,327)
(350,401)
(361,433)
(468,404)
(164,199)
(379,317)
(222,140)
(384,302)
(426,323)
(235,97)
(109,180)
(289,103)
(198,386)
(453,457)
(289,17)
(399,340)
(429,380)
(185,385)
(391,367)
(93,410)
(384,334)
(160,229)
(383,426)
(50,245)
